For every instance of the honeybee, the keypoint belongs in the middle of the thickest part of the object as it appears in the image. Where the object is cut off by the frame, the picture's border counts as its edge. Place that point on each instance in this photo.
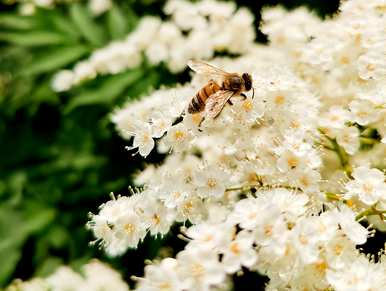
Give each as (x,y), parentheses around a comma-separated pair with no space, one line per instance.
(217,92)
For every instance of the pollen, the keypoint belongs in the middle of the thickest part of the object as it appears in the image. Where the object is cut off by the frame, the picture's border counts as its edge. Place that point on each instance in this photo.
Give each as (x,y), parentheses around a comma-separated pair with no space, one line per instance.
(188,206)
(370,67)
(146,137)
(179,135)
(156,219)
(303,239)
(304,181)
(362,114)
(129,228)
(321,266)
(292,162)
(279,100)
(252,177)
(235,249)
(211,183)
(198,270)
(209,237)
(295,124)
(290,225)
(368,188)
(247,105)
(252,215)
(344,60)
(338,249)
(350,203)
(334,118)
(164,286)
(268,230)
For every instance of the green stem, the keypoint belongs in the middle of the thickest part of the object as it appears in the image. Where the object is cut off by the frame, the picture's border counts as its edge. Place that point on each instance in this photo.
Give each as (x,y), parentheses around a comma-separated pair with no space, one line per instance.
(370,211)
(332,196)
(368,140)
(343,157)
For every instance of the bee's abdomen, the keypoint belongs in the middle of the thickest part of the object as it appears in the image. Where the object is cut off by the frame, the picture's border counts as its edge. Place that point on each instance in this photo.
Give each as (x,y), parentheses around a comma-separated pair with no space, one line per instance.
(198,102)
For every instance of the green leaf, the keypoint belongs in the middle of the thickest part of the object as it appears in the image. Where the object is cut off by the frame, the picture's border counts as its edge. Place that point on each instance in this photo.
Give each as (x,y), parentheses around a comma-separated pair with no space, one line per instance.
(9,257)
(63,24)
(11,240)
(55,59)
(16,21)
(34,38)
(107,92)
(116,22)
(48,266)
(36,217)
(86,25)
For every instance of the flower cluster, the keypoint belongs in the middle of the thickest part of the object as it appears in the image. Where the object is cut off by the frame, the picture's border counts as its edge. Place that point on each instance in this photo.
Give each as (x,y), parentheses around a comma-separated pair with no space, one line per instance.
(280,181)
(97,7)
(192,31)
(95,276)
(273,234)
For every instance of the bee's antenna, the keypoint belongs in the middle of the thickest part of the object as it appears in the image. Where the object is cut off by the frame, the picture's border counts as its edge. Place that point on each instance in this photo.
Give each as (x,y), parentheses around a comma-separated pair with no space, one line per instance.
(253,92)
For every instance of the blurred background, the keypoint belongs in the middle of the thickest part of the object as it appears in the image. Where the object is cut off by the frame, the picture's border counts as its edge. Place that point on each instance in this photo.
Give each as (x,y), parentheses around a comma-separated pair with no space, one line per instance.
(60,156)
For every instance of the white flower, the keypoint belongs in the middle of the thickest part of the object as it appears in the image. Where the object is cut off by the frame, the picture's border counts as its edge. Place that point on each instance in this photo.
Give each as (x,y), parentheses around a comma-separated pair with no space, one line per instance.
(363,112)
(143,140)
(36,284)
(335,118)
(368,185)
(348,138)
(210,236)
(83,71)
(358,275)
(178,137)
(159,125)
(161,277)
(254,184)
(308,181)
(211,182)
(354,231)
(200,268)
(291,204)
(190,32)
(271,231)
(62,80)
(156,53)
(239,252)
(64,278)
(98,7)
(129,229)
(158,217)
(246,213)
(44,3)
(289,161)
(93,276)
(99,276)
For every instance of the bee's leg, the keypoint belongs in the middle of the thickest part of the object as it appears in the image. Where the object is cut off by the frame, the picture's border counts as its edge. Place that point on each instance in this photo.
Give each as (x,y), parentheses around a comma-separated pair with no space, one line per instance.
(179,118)
(199,125)
(230,102)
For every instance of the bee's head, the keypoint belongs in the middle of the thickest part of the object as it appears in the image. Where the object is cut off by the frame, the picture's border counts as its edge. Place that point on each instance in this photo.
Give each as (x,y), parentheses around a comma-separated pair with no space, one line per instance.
(247,81)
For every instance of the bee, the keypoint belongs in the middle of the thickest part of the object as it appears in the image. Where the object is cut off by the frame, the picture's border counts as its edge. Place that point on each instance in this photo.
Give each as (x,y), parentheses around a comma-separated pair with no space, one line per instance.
(217,92)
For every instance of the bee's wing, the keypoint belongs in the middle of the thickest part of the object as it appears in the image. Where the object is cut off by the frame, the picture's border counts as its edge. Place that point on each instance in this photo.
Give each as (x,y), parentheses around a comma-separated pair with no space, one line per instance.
(205,69)
(216,103)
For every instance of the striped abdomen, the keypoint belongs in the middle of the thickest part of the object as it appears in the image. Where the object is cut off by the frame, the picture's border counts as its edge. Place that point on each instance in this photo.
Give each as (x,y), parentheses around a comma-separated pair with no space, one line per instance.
(198,102)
